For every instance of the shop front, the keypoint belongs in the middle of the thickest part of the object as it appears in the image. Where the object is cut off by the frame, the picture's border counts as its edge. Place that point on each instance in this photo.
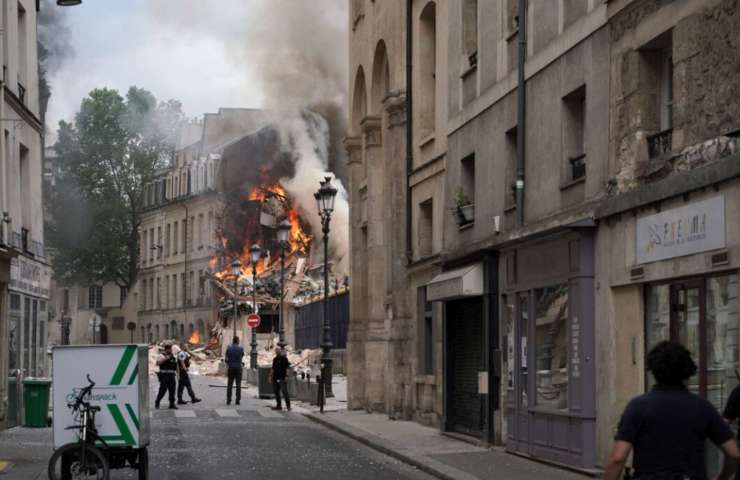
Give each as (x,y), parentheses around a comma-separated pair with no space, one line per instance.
(548,391)
(28,296)
(470,339)
(690,292)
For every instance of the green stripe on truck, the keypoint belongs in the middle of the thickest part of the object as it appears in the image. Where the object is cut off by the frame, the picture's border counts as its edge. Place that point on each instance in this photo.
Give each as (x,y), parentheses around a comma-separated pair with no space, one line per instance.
(115,412)
(132,414)
(123,364)
(132,379)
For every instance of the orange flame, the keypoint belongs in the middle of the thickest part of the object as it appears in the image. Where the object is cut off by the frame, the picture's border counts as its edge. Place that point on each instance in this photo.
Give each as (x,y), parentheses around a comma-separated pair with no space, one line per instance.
(194,338)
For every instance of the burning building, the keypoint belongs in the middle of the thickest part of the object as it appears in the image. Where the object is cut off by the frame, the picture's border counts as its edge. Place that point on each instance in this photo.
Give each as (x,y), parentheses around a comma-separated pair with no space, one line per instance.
(237,175)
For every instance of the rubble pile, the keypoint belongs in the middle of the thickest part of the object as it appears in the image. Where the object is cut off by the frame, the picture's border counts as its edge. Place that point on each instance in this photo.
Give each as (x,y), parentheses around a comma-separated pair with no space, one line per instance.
(204,359)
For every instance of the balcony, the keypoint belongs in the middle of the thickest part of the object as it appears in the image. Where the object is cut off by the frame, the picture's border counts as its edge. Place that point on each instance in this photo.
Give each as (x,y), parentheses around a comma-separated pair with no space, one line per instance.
(660,144)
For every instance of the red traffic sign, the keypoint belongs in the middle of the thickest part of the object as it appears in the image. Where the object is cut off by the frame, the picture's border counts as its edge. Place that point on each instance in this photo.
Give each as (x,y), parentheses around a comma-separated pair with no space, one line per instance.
(253,320)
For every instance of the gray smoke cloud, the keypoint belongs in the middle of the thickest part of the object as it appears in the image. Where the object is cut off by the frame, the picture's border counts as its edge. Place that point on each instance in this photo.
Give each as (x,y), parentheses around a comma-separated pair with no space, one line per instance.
(55,37)
(296,51)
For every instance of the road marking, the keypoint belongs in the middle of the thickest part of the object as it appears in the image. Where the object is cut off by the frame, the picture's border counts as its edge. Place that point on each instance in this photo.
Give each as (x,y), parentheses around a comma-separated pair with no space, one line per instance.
(269,413)
(185,413)
(227,413)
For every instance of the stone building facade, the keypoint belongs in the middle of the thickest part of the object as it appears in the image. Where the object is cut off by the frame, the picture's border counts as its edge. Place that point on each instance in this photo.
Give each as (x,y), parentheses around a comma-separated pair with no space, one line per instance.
(393,247)
(24,270)
(574,230)
(178,233)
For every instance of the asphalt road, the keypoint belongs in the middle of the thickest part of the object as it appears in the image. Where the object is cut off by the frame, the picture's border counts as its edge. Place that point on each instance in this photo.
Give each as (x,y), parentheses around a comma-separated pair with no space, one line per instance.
(211,440)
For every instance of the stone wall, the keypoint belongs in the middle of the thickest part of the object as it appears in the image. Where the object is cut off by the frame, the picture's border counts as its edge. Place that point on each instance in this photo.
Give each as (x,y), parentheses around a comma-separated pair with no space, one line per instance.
(705,49)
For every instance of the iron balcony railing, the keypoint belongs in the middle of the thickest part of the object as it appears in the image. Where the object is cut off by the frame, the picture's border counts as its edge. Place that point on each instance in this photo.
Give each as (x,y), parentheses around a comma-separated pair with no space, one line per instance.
(660,143)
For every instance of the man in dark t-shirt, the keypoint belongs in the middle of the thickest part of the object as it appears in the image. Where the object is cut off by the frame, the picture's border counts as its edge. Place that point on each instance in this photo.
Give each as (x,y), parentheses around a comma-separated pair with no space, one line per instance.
(732,413)
(279,377)
(668,427)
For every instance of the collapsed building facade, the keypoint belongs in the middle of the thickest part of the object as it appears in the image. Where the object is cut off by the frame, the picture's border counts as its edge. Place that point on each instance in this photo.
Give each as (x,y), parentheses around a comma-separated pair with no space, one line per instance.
(536,218)
(224,194)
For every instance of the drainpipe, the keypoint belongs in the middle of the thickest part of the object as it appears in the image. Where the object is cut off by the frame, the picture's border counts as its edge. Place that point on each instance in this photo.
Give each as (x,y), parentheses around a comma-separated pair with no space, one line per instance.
(521,113)
(409,122)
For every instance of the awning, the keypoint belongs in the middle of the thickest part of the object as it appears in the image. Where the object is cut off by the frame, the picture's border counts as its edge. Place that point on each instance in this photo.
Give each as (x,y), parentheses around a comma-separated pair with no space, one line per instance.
(459,283)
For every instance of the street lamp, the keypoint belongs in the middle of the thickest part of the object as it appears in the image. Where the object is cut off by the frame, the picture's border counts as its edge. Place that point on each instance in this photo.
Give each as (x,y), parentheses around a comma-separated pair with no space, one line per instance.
(283,235)
(255,252)
(236,269)
(325,203)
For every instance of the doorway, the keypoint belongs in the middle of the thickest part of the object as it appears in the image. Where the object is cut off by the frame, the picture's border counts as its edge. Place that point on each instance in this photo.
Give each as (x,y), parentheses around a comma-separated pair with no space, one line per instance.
(701,314)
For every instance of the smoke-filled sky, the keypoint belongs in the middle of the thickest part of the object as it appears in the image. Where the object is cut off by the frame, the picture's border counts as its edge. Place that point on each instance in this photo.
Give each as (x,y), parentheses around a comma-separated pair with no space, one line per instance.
(205,53)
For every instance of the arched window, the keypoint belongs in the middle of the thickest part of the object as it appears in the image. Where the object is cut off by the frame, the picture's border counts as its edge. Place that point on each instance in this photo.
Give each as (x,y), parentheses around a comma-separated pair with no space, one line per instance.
(166,331)
(359,101)
(427,69)
(381,78)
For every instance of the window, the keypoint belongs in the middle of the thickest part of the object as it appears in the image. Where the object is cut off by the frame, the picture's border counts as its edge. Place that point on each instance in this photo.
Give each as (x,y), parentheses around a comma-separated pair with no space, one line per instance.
(166,331)
(117,323)
(167,291)
(167,238)
(551,347)
(191,234)
(184,236)
(511,154)
(512,17)
(191,286)
(200,231)
(159,292)
(426,334)
(467,177)
(95,297)
(183,287)
(22,51)
(25,187)
(573,10)
(573,125)
(426,230)
(151,294)
(143,296)
(159,242)
(665,97)
(65,300)
(470,31)
(124,294)
(176,239)
(151,245)
(427,69)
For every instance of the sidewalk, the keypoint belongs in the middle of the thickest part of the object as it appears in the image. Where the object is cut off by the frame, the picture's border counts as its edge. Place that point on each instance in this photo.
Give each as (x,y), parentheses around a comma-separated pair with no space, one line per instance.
(26,451)
(434,453)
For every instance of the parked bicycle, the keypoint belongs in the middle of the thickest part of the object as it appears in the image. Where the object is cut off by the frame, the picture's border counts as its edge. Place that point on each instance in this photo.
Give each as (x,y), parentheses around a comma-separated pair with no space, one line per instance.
(81,459)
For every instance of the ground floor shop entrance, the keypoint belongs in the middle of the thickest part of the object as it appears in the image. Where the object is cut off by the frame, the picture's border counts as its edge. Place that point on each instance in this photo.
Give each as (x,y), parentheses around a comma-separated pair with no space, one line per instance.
(547,324)
(702,314)
(466,407)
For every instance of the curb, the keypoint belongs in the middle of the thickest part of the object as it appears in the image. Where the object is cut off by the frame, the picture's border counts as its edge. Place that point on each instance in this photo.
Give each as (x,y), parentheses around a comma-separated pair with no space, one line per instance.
(421,462)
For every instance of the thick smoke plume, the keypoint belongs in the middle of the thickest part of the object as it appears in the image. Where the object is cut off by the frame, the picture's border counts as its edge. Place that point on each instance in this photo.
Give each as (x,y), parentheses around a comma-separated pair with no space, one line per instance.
(55,47)
(296,52)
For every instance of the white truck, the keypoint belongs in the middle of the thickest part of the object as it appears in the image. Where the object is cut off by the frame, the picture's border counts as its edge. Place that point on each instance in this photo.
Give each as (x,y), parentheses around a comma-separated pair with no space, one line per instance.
(121,376)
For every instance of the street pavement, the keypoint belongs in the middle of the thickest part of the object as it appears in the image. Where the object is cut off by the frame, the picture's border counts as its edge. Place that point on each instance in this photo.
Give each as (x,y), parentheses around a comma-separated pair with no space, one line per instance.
(212,440)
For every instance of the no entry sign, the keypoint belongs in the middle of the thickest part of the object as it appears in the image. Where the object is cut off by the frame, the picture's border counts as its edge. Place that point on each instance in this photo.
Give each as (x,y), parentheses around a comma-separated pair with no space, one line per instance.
(253,320)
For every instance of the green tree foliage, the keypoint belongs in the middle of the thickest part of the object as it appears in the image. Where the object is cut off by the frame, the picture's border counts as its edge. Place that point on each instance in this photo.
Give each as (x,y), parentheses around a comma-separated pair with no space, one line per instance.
(105,158)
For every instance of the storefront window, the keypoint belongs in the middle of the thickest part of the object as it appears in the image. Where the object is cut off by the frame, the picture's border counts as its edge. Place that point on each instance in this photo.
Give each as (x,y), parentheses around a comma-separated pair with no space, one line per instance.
(523,328)
(14,333)
(551,347)
(658,318)
(26,336)
(509,308)
(722,338)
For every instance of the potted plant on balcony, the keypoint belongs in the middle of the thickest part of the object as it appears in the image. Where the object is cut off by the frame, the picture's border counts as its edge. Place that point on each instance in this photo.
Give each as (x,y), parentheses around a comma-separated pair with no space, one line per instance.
(464,208)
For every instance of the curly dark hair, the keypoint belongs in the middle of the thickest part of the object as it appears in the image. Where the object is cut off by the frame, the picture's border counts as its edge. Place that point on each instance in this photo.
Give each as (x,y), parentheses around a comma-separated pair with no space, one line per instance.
(671,363)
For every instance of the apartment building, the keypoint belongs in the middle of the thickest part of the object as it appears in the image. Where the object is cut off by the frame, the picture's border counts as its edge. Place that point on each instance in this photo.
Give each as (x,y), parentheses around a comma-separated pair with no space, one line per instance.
(178,236)
(585,212)
(24,270)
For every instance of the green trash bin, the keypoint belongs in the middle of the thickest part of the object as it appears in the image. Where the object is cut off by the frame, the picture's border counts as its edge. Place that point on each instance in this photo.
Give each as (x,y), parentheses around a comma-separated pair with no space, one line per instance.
(36,401)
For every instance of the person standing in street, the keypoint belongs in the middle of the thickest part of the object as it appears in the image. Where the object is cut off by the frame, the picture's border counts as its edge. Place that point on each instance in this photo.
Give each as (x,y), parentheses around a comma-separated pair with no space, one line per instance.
(167,372)
(668,427)
(234,356)
(279,377)
(183,366)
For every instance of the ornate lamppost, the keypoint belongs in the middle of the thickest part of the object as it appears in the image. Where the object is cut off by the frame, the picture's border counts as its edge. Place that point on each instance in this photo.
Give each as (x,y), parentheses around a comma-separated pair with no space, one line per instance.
(236,270)
(325,203)
(283,235)
(255,252)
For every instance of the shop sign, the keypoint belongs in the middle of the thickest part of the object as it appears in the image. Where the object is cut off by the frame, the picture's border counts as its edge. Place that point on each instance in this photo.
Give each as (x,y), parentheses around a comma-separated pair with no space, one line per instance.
(29,277)
(694,228)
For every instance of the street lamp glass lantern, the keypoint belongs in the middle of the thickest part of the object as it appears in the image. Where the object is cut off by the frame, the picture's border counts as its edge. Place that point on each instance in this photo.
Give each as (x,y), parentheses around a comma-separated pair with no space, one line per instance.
(236,267)
(255,252)
(283,233)
(325,196)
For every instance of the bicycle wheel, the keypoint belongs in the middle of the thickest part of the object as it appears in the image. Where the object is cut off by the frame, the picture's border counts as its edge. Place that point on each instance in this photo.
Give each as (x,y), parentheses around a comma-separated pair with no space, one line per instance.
(66,463)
